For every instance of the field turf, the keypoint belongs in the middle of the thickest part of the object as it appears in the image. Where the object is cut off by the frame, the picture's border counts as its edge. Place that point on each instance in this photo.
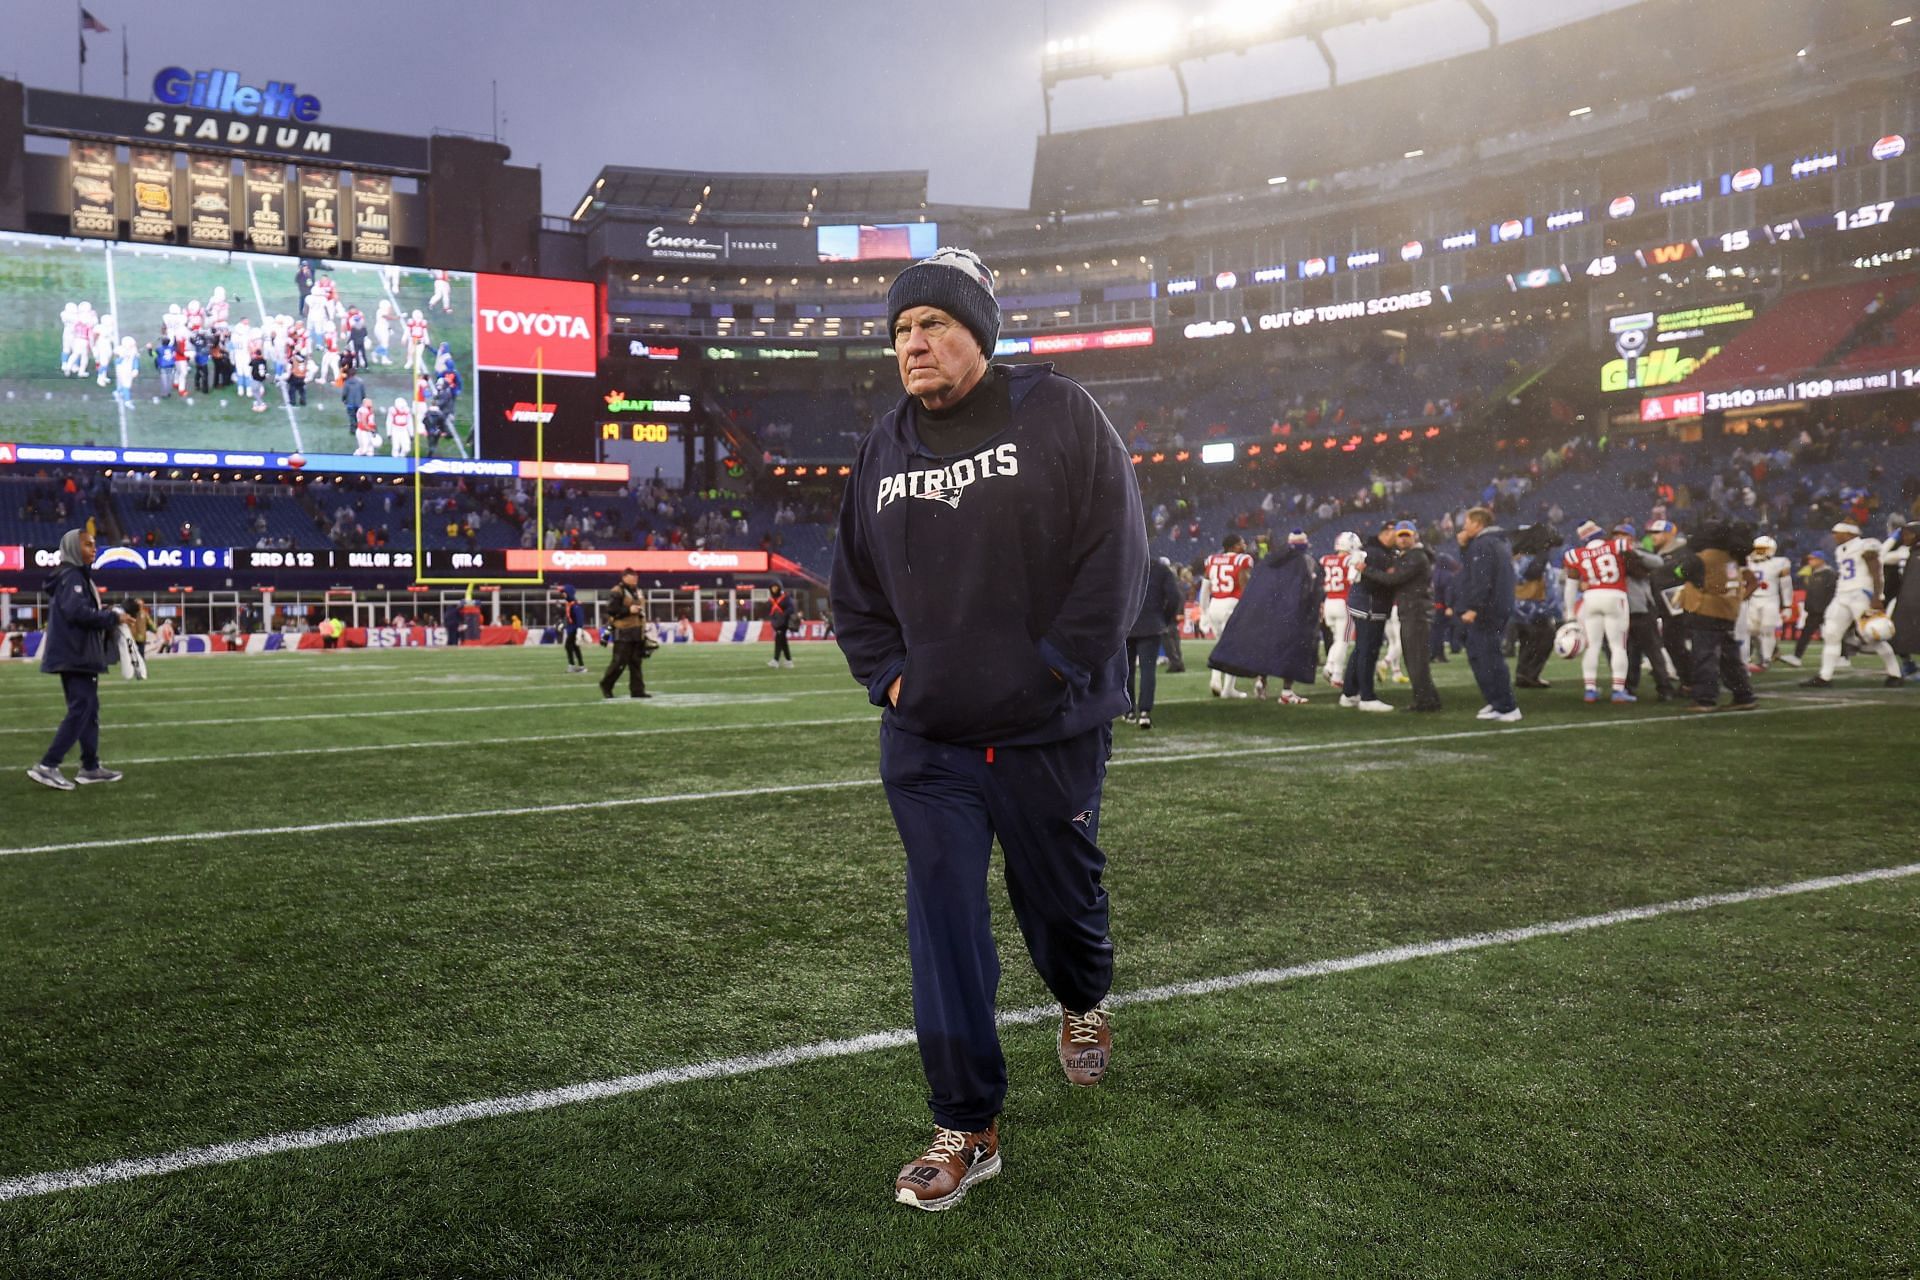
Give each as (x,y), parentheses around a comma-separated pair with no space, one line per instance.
(39,275)
(361,885)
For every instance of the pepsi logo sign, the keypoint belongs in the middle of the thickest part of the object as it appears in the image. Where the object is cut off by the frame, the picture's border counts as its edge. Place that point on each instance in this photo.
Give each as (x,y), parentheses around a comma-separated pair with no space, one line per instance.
(1890,147)
(1225,281)
(1746,180)
(1313,267)
(1622,207)
(1512,229)
(1411,251)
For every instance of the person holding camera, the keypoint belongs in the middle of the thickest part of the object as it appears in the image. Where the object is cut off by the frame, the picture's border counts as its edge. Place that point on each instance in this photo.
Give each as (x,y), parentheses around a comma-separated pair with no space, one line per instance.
(79,631)
(1714,592)
(627,611)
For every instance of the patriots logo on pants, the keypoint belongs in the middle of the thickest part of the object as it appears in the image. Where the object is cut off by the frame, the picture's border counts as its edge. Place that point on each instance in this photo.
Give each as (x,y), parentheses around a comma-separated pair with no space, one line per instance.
(1084,818)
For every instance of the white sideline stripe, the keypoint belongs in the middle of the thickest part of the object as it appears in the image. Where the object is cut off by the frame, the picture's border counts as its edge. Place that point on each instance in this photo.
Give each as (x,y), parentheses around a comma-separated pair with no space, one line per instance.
(844,784)
(597,733)
(40,1184)
(113,301)
(150,694)
(590,733)
(293,423)
(745,699)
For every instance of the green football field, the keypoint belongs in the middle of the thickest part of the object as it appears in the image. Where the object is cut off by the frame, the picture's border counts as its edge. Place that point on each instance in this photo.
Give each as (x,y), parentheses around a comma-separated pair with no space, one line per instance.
(315,990)
(137,283)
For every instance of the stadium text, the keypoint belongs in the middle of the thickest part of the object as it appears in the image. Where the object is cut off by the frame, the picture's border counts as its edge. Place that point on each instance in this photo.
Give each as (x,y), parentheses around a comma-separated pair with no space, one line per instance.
(241,133)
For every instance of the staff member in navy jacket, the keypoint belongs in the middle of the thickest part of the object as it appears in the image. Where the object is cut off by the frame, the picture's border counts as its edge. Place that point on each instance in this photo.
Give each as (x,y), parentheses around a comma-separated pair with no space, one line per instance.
(990,560)
(1485,597)
(75,649)
(1159,607)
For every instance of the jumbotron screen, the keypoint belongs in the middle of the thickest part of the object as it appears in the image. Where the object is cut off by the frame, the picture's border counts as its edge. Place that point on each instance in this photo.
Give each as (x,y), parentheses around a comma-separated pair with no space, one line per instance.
(150,347)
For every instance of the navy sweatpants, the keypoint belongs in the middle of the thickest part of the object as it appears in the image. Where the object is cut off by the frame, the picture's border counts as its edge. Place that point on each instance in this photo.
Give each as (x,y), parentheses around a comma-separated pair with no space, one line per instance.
(1043,803)
(1369,637)
(81,723)
(1489,667)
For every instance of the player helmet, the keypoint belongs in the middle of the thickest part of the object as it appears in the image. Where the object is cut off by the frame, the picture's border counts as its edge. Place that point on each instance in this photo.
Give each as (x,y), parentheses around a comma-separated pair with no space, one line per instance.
(1570,640)
(1765,544)
(1876,627)
(1347,543)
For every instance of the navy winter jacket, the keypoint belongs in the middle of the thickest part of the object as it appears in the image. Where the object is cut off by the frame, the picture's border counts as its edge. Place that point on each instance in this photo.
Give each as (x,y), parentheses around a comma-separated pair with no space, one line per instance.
(1486,586)
(1276,629)
(79,631)
(1366,598)
(1160,607)
(998,584)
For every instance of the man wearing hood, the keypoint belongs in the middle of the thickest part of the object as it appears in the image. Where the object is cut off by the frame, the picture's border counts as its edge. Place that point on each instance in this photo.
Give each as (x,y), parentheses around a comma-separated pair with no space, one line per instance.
(75,649)
(991,558)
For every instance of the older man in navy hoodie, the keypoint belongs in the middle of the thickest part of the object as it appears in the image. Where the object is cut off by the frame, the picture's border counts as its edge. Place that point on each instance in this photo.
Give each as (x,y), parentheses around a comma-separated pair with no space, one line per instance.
(991,556)
(75,647)
(1485,600)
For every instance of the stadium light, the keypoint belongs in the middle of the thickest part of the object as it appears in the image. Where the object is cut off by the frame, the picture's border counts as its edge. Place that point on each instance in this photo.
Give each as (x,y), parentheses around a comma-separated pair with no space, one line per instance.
(1581,111)
(1145,35)
(1249,17)
(1277,181)
(1901,22)
(1413,155)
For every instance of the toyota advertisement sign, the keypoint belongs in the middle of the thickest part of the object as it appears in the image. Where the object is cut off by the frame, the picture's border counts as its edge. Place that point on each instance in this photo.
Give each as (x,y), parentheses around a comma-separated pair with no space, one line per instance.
(524,324)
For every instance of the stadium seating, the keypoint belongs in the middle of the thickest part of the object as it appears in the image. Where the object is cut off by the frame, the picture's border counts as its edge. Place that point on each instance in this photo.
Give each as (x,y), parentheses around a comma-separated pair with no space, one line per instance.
(1799,333)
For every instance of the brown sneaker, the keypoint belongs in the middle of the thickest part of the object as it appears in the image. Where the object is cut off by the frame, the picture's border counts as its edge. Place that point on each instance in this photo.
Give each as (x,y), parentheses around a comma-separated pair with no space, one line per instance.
(954,1162)
(1086,1046)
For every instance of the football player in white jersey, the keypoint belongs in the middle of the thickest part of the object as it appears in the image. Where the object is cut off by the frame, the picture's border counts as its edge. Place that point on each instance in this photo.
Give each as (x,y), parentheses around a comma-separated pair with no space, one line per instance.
(417,343)
(71,356)
(126,367)
(400,427)
(442,293)
(1771,601)
(383,317)
(106,339)
(1859,591)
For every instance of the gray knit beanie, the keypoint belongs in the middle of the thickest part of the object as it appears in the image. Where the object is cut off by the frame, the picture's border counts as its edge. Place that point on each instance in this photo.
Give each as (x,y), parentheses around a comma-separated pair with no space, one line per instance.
(957,282)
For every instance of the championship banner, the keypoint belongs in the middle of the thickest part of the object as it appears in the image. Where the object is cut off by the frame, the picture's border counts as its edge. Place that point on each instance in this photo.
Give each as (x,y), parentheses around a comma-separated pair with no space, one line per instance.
(266,182)
(96,207)
(152,172)
(210,201)
(319,213)
(373,217)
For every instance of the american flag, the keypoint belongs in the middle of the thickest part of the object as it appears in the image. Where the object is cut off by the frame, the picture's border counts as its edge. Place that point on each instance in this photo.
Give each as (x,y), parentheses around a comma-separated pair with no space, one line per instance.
(90,23)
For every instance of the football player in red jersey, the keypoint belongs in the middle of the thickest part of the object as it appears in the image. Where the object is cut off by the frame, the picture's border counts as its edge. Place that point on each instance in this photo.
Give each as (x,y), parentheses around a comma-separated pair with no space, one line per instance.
(1226,578)
(1596,592)
(1337,572)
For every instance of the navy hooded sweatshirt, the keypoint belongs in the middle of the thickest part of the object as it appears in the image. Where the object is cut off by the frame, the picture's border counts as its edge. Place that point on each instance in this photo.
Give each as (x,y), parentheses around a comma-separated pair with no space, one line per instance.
(78,629)
(998,584)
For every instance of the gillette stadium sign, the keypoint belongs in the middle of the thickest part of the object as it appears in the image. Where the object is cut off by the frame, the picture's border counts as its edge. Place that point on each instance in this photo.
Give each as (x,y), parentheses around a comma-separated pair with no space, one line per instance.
(217,110)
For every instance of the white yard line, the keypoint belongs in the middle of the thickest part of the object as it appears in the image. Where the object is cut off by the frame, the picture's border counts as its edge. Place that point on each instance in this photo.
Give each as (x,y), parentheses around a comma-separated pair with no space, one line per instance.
(677,701)
(585,734)
(260,300)
(225,1153)
(113,305)
(846,784)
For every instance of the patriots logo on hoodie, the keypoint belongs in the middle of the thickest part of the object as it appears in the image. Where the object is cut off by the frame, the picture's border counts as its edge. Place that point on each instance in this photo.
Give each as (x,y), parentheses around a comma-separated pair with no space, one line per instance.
(949,496)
